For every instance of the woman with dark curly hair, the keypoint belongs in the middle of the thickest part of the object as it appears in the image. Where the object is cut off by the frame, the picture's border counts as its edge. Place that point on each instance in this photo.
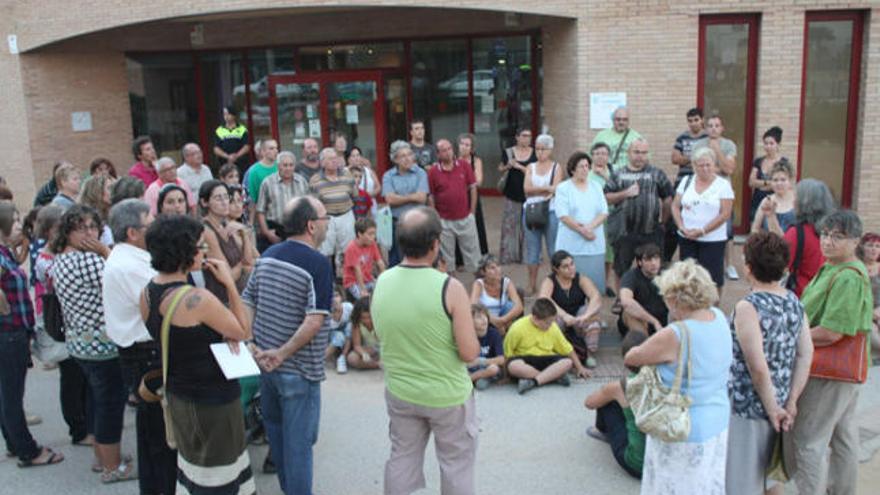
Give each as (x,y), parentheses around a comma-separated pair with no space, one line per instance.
(172,200)
(205,412)
(77,274)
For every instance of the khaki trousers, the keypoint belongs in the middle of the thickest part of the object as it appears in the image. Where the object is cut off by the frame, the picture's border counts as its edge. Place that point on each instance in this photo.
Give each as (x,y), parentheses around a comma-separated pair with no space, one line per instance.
(455,441)
(463,232)
(826,418)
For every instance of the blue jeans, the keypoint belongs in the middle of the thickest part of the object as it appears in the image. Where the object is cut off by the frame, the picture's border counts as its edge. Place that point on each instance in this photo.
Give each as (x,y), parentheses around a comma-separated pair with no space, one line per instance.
(14,360)
(533,239)
(291,412)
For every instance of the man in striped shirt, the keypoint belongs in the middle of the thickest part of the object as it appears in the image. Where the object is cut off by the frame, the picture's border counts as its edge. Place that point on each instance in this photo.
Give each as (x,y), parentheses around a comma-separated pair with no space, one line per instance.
(290,294)
(335,187)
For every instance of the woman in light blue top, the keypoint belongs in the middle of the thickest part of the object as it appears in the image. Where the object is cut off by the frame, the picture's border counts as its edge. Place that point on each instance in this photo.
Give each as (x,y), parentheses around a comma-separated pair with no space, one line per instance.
(698,464)
(581,208)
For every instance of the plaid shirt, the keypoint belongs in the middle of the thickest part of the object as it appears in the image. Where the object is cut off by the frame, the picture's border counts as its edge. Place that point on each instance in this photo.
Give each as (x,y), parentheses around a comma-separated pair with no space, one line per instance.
(13,280)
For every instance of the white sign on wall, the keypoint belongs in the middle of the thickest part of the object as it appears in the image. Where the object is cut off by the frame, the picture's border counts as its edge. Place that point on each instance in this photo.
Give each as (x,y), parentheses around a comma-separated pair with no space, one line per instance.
(12,40)
(602,105)
(81,121)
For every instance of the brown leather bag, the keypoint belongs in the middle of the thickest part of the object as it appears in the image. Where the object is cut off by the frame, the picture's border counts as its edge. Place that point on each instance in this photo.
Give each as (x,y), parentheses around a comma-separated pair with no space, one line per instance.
(845,360)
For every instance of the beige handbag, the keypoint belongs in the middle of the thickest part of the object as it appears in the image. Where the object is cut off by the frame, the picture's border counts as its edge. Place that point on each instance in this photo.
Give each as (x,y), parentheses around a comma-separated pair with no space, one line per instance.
(660,411)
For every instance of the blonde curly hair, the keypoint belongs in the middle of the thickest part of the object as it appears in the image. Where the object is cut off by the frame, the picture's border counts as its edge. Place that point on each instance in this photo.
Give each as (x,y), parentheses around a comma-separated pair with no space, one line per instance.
(688,285)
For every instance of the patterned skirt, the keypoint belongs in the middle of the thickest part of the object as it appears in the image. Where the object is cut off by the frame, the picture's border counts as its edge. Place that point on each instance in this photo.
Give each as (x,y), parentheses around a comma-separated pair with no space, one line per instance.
(212,453)
(683,468)
(511,233)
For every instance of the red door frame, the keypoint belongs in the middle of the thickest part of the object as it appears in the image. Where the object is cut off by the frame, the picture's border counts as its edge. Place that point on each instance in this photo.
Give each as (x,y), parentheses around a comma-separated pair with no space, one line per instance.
(323,78)
(852,113)
(748,148)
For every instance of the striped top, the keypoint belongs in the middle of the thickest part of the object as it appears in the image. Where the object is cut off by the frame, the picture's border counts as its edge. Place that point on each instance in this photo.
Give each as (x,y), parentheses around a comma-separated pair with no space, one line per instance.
(291,281)
(335,194)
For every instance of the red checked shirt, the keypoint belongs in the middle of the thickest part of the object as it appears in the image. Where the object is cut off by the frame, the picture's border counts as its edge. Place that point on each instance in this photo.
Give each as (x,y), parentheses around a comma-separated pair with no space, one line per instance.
(451,189)
(13,281)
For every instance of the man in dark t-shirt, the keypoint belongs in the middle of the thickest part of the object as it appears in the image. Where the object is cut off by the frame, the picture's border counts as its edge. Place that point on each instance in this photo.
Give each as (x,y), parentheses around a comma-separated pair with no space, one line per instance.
(684,143)
(426,153)
(643,306)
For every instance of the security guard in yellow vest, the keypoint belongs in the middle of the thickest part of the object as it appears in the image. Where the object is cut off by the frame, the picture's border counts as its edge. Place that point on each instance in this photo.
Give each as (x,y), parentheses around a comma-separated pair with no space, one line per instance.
(231,142)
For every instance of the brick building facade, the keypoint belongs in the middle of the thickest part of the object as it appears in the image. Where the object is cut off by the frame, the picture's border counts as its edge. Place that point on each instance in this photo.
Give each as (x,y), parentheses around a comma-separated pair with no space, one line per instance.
(77,57)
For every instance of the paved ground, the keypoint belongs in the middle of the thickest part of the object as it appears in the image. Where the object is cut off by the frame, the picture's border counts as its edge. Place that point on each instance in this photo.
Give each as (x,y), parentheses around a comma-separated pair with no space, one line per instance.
(528,445)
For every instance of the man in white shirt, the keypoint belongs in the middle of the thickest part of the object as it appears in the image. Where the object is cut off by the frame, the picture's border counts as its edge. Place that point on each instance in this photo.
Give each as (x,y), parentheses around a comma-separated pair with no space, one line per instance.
(126,273)
(193,171)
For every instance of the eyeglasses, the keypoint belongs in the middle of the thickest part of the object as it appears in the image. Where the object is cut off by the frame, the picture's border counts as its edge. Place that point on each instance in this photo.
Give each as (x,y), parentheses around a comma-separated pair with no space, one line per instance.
(88,226)
(325,217)
(203,247)
(833,237)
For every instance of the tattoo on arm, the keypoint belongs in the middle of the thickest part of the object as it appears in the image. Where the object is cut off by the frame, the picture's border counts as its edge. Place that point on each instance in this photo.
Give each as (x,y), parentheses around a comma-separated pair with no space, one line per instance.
(193,301)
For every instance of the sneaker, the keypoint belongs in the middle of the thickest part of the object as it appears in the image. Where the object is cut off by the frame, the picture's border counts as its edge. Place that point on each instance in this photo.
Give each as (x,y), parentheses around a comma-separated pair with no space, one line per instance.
(593,432)
(482,383)
(525,384)
(731,273)
(564,380)
(341,365)
(590,362)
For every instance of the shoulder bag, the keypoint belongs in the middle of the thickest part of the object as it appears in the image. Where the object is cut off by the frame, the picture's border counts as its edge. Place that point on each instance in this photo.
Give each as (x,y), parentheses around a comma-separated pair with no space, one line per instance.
(502,181)
(613,162)
(53,319)
(791,281)
(661,411)
(538,213)
(847,359)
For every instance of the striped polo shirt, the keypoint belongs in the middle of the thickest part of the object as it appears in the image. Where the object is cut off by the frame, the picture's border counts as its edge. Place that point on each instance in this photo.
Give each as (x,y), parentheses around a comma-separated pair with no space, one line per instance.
(291,281)
(335,194)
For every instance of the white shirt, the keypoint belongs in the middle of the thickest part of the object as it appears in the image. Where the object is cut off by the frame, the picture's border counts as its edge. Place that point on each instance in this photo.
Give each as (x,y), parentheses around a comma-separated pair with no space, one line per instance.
(126,272)
(698,209)
(194,179)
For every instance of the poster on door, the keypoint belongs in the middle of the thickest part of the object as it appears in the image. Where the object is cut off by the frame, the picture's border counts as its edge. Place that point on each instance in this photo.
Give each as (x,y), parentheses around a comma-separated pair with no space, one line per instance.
(314,128)
(351,114)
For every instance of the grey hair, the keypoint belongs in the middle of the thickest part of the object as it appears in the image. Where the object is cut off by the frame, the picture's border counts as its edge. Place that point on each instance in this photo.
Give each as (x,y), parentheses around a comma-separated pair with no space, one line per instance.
(545,140)
(126,215)
(286,154)
(263,143)
(847,222)
(396,147)
(639,139)
(705,151)
(185,146)
(813,200)
(323,153)
(164,160)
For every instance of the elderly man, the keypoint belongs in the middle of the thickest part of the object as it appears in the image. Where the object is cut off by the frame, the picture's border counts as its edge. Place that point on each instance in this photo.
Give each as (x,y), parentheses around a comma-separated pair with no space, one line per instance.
(454,195)
(167,171)
(145,153)
(336,188)
(405,186)
(290,295)
(193,171)
(310,165)
(618,138)
(643,194)
(427,387)
(276,191)
(126,273)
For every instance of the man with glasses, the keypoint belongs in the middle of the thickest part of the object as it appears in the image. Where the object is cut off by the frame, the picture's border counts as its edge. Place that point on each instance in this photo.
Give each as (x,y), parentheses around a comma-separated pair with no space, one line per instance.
(618,138)
(126,272)
(290,296)
(167,170)
(276,191)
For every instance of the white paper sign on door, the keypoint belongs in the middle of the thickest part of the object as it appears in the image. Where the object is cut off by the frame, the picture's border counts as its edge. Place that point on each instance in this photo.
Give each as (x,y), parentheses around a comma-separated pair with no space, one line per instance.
(314,128)
(351,114)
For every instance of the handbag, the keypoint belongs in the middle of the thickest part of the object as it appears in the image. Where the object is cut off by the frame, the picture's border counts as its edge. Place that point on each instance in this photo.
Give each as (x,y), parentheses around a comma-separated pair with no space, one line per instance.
(845,360)
(538,213)
(502,181)
(661,411)
(384,227)
(53,319)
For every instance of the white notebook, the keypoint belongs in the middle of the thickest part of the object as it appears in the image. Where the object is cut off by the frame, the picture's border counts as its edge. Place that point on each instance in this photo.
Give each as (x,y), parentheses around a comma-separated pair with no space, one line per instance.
(235,365)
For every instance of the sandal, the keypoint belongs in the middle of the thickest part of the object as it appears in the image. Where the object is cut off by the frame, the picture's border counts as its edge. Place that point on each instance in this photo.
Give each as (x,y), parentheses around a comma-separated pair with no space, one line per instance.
(53,458)
(98,468)
(125,472)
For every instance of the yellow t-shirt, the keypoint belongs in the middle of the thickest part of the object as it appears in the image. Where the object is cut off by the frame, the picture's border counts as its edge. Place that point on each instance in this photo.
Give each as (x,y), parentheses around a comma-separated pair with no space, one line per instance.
(525,339)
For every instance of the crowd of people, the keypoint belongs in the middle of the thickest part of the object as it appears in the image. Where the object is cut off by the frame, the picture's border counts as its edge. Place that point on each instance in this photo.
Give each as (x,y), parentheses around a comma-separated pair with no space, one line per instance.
(124,283)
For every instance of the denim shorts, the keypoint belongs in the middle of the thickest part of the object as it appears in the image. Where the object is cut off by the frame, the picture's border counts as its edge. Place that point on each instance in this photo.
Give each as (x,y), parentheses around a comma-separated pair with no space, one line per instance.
(106,398)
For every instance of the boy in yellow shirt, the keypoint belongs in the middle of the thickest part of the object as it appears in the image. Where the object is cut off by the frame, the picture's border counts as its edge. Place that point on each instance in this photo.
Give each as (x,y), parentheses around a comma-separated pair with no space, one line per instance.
(537,352)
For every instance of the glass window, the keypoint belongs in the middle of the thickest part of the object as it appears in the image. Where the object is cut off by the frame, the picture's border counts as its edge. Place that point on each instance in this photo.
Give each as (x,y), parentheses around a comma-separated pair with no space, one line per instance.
(502,97)
(826,101)
(162,93)
(359,56)
(440,88)
(262,64)
(222,85)
(395,111)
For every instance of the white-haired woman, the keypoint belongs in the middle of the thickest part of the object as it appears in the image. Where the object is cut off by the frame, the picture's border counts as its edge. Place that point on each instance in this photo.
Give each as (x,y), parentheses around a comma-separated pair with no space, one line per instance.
(696,465)
(702,205)
(542,177)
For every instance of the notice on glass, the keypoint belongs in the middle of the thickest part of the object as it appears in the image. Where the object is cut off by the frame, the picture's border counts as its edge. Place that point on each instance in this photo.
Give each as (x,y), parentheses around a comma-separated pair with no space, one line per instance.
(487,103)
(310,111)
(602,105)
(235,365)
(299,130)
(314,128)
(351,114)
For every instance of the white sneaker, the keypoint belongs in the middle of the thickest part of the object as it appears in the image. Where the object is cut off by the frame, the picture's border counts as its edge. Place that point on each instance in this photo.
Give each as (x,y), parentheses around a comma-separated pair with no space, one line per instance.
(731,273)
(341,365)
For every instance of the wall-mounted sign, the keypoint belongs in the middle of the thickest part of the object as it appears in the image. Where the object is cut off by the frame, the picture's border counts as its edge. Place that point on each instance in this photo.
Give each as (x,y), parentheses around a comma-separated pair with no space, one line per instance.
(602,105)
(81,121)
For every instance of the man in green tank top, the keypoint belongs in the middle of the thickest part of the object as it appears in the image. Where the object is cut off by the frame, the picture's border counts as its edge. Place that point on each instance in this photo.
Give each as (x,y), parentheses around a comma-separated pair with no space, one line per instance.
(427,337)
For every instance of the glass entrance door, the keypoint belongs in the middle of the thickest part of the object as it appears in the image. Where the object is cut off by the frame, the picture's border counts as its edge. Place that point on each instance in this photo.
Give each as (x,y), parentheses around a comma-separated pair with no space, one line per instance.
(320,106)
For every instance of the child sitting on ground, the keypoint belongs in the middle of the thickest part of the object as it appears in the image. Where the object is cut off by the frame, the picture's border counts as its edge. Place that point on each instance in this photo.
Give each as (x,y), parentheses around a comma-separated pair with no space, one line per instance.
(615,423)
(364,353)
(487,368)
(340,331)
(361,259)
